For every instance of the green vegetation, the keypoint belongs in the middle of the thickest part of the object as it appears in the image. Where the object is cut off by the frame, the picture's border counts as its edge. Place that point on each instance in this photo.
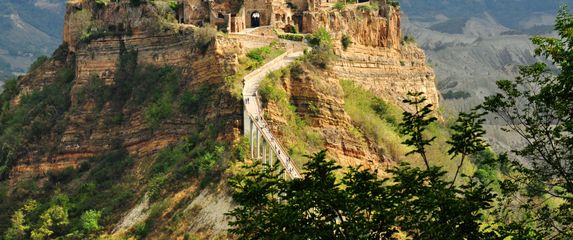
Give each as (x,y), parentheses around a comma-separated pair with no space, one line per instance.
(203,37)
(254,59)
(38,114)
(394,3)
(322,53)
(408,40)
(36,64)
(414,123)
(47,221)
(416,204)
(260,56)
(374,118)
(339,5)
(378,120)
(542,117)
(102,3)
(372,6)
(292,36)
(345,41)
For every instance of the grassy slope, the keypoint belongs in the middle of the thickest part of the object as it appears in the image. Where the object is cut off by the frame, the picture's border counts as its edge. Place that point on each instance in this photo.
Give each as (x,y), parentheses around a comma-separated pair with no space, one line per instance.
(365,111)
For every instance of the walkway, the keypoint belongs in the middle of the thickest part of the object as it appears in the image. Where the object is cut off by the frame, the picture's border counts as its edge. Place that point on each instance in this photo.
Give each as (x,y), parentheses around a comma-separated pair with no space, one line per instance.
(254,124)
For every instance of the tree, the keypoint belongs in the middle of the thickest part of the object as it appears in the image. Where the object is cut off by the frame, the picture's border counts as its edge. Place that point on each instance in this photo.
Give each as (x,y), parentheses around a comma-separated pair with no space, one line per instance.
(467,137)
(20,226)
(89,221)
(417,203)
(414,124)
(537,106)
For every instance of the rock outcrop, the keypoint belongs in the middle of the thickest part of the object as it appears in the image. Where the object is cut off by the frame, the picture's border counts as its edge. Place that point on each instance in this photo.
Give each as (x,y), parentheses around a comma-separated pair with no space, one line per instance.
(389,73)
(379,28)
(88,131)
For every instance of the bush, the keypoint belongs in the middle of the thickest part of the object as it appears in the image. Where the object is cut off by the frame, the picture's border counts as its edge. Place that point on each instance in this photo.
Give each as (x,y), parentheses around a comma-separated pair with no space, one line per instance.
(58,176)
(292,36)
(321,42)
(258,54)
(158,111)
(191,102)
(39,61)
(102,2)
(136,2)
(368,7)
(320,37)
(339,5)
(408,39)
(204,37)
(346,41)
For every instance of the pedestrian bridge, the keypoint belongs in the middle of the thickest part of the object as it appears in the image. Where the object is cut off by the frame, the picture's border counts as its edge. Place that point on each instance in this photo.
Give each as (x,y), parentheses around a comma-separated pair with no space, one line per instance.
(263,145)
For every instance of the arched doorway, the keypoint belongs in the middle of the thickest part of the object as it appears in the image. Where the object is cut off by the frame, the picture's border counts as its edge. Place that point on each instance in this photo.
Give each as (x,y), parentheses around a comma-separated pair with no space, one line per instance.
(255,19)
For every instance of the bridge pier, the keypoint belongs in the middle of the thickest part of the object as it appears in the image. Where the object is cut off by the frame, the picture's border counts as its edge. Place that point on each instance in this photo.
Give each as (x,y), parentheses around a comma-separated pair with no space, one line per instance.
(258,144)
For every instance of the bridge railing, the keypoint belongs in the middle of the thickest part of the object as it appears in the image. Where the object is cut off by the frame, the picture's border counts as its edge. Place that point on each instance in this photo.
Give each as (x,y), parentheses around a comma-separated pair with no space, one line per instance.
(280,151)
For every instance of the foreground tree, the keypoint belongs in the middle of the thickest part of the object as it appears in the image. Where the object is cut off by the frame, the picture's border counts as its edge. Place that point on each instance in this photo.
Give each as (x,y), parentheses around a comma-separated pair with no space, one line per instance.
(418,203)
(538,106)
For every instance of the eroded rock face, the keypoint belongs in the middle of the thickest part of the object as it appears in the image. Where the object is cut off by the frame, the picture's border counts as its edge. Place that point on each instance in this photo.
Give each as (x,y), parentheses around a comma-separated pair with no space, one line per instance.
(389,73)
(319,98)
(377,61)
(88,131)
(368,28)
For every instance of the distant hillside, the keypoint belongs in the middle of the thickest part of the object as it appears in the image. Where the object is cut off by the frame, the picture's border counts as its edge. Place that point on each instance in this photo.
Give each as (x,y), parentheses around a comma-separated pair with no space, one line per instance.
(515,14)
(30,28)
(471,43)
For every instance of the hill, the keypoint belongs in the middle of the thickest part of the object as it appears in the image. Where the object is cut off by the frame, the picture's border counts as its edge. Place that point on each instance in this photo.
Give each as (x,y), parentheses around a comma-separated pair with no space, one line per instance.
(30,28)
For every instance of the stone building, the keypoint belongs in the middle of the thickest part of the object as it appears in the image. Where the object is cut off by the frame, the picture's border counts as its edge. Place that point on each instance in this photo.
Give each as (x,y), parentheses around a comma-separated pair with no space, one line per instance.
(236,15)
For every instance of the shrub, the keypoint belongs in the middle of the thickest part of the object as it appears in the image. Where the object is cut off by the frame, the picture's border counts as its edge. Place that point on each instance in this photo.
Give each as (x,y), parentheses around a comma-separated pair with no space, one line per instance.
(89,221)
(95,90)
(320,37)
(55,176)
(346,41)
(258,54)
(394,3)
(158,111)
(136,2)
(339,5)
(368,7)
(321,42)
(102,2)
(192,101)
(204,37)
(292,36)
(408,39)
(39,61)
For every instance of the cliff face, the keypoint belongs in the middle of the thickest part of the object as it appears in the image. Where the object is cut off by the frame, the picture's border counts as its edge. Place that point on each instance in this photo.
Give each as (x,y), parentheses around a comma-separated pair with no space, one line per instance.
(379,28)
(377,59)
(389,73)
(319,98)
(87,131)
